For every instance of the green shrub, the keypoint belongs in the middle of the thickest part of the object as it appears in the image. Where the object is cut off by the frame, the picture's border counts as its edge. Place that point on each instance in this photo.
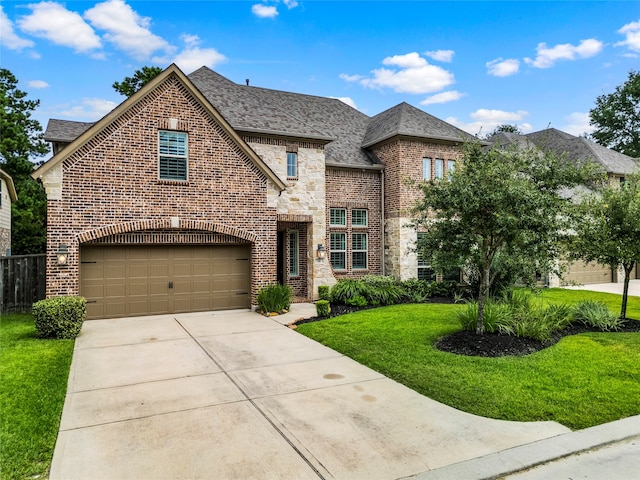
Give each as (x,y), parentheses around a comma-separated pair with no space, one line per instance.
(416,291)
(443,289)
(496,317)
(323,308)
(324,292)
(274,298)
(347,288)
(597,315)
(59,317)
(357,301)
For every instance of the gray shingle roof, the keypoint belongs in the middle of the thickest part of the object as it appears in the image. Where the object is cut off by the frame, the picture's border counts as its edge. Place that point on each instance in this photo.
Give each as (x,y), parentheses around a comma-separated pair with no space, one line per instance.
(65,130)
(406,120)
(579,148)
(346,131)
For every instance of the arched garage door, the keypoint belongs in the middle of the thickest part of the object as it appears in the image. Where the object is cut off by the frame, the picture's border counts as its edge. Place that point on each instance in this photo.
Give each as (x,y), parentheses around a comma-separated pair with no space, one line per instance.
(125,281)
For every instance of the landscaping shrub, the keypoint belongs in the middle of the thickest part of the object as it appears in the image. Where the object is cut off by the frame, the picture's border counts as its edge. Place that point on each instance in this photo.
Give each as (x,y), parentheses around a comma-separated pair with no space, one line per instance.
(357,301)
(446,289)
(597,315)
(59,317)
(347,288)
(496,316)
(323,308)
(274,298)
(324,292)
(416,291)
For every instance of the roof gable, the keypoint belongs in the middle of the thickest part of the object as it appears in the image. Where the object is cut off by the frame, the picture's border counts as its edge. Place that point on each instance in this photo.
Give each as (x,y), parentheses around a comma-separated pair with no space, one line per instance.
(13,196)
(125,106)
(407,120)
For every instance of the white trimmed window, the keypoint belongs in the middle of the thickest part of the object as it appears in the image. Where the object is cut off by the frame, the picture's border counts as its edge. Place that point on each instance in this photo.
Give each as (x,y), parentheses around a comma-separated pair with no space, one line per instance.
(359,251)
(359,217)
(338,248)
(294,254)
(439,167)
(337,217)
(424,269)
(172,153)
(451,165)
(292,165)
(426,168)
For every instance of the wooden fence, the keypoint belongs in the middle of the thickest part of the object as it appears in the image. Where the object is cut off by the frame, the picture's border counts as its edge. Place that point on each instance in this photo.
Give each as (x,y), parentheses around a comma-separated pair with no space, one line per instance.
(22,282)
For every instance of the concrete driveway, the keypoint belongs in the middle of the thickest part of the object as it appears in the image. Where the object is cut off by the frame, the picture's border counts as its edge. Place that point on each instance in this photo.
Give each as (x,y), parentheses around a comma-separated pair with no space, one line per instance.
(234,395)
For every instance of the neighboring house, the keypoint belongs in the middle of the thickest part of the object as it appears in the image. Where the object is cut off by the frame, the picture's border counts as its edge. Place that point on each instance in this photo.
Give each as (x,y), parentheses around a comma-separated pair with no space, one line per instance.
(616,165)
(197,191)
(7,197)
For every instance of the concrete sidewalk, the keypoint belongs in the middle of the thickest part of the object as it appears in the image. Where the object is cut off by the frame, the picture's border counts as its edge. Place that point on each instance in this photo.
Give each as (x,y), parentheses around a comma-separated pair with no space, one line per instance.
(634,287)
(237,395)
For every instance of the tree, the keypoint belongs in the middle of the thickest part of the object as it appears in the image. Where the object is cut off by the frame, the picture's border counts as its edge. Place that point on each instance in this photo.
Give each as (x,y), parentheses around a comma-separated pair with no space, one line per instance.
(609,229)
(131,85)
(506,128)
(616,117)
(501,208)
(21,139)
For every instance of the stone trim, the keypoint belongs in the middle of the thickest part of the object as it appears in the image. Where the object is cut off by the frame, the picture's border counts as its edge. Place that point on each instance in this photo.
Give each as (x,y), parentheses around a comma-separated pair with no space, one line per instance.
(292,217)
(168,237)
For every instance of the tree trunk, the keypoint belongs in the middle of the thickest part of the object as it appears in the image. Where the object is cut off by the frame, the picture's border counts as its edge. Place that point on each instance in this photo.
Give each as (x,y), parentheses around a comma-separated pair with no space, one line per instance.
(625,290)
(482,297)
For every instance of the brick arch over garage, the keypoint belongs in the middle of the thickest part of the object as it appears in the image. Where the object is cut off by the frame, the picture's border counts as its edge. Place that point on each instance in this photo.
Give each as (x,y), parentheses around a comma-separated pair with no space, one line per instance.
(165,224)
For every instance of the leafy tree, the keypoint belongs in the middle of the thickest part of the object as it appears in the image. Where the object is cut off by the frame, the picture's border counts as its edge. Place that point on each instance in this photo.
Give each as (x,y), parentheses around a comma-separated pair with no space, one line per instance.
(506,128)
(616,117)
(131,85)
(609,230)
(20,139)
(501,209)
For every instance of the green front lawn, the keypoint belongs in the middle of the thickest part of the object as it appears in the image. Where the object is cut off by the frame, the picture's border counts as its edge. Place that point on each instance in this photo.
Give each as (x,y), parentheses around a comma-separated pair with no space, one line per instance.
(583,380)
(33,376)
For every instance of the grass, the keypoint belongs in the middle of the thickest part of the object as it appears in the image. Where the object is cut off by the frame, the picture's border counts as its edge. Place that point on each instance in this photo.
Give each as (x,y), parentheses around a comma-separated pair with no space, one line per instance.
(33,375)
(583,380)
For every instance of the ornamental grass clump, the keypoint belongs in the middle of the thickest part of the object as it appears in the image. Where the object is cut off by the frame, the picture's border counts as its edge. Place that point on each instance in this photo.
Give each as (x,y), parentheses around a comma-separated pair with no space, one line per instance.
(274,298)
(323,308)
(596,314)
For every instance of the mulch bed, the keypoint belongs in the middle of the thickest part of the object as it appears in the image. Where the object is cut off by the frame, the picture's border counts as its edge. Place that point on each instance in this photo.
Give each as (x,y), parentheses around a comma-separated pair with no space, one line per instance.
(488,344)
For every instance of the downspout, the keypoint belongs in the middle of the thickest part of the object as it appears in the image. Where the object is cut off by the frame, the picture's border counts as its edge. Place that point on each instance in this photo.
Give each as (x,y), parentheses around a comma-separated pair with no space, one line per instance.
(382,223)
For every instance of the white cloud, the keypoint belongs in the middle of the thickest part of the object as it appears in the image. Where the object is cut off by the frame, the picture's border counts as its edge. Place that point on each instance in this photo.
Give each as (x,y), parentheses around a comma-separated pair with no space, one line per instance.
(126,29)
(55,23)
(632,33)
(503,68)
(443,97)
(38,84)
(194,57)
(291,3)
(441,55)
(90,109)
(413,74)
(485,120)
(350,78)
(8,37)
(348,100)
(577,124)
(264,11)
(548,56)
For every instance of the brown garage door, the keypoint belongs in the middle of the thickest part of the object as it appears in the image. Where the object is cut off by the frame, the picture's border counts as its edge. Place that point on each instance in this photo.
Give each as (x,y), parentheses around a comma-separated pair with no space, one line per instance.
(125,281)
(587,273)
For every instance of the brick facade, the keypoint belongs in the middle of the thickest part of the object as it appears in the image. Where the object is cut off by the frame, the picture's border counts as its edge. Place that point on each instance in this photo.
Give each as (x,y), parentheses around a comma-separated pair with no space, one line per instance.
(356,189)
(109,187)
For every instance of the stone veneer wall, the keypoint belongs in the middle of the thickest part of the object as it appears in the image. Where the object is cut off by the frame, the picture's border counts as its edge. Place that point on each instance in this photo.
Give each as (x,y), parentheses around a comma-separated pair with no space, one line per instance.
(349,189)
(304,195)
(110,186)
(403,162)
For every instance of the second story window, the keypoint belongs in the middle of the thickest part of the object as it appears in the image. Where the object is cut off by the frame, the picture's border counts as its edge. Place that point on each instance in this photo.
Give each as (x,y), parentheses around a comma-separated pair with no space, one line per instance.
(451,164)
(338,217)
(292,165)
(172,153)
(426,168)
(439,168)
(359,217)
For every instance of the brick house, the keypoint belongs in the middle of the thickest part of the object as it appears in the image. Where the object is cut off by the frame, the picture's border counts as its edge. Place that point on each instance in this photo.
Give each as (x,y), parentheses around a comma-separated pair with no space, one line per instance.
(197,191)
(7,197)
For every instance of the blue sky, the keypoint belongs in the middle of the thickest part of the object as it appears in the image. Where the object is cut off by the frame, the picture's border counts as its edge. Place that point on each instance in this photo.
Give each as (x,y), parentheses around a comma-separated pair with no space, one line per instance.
(473,64)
